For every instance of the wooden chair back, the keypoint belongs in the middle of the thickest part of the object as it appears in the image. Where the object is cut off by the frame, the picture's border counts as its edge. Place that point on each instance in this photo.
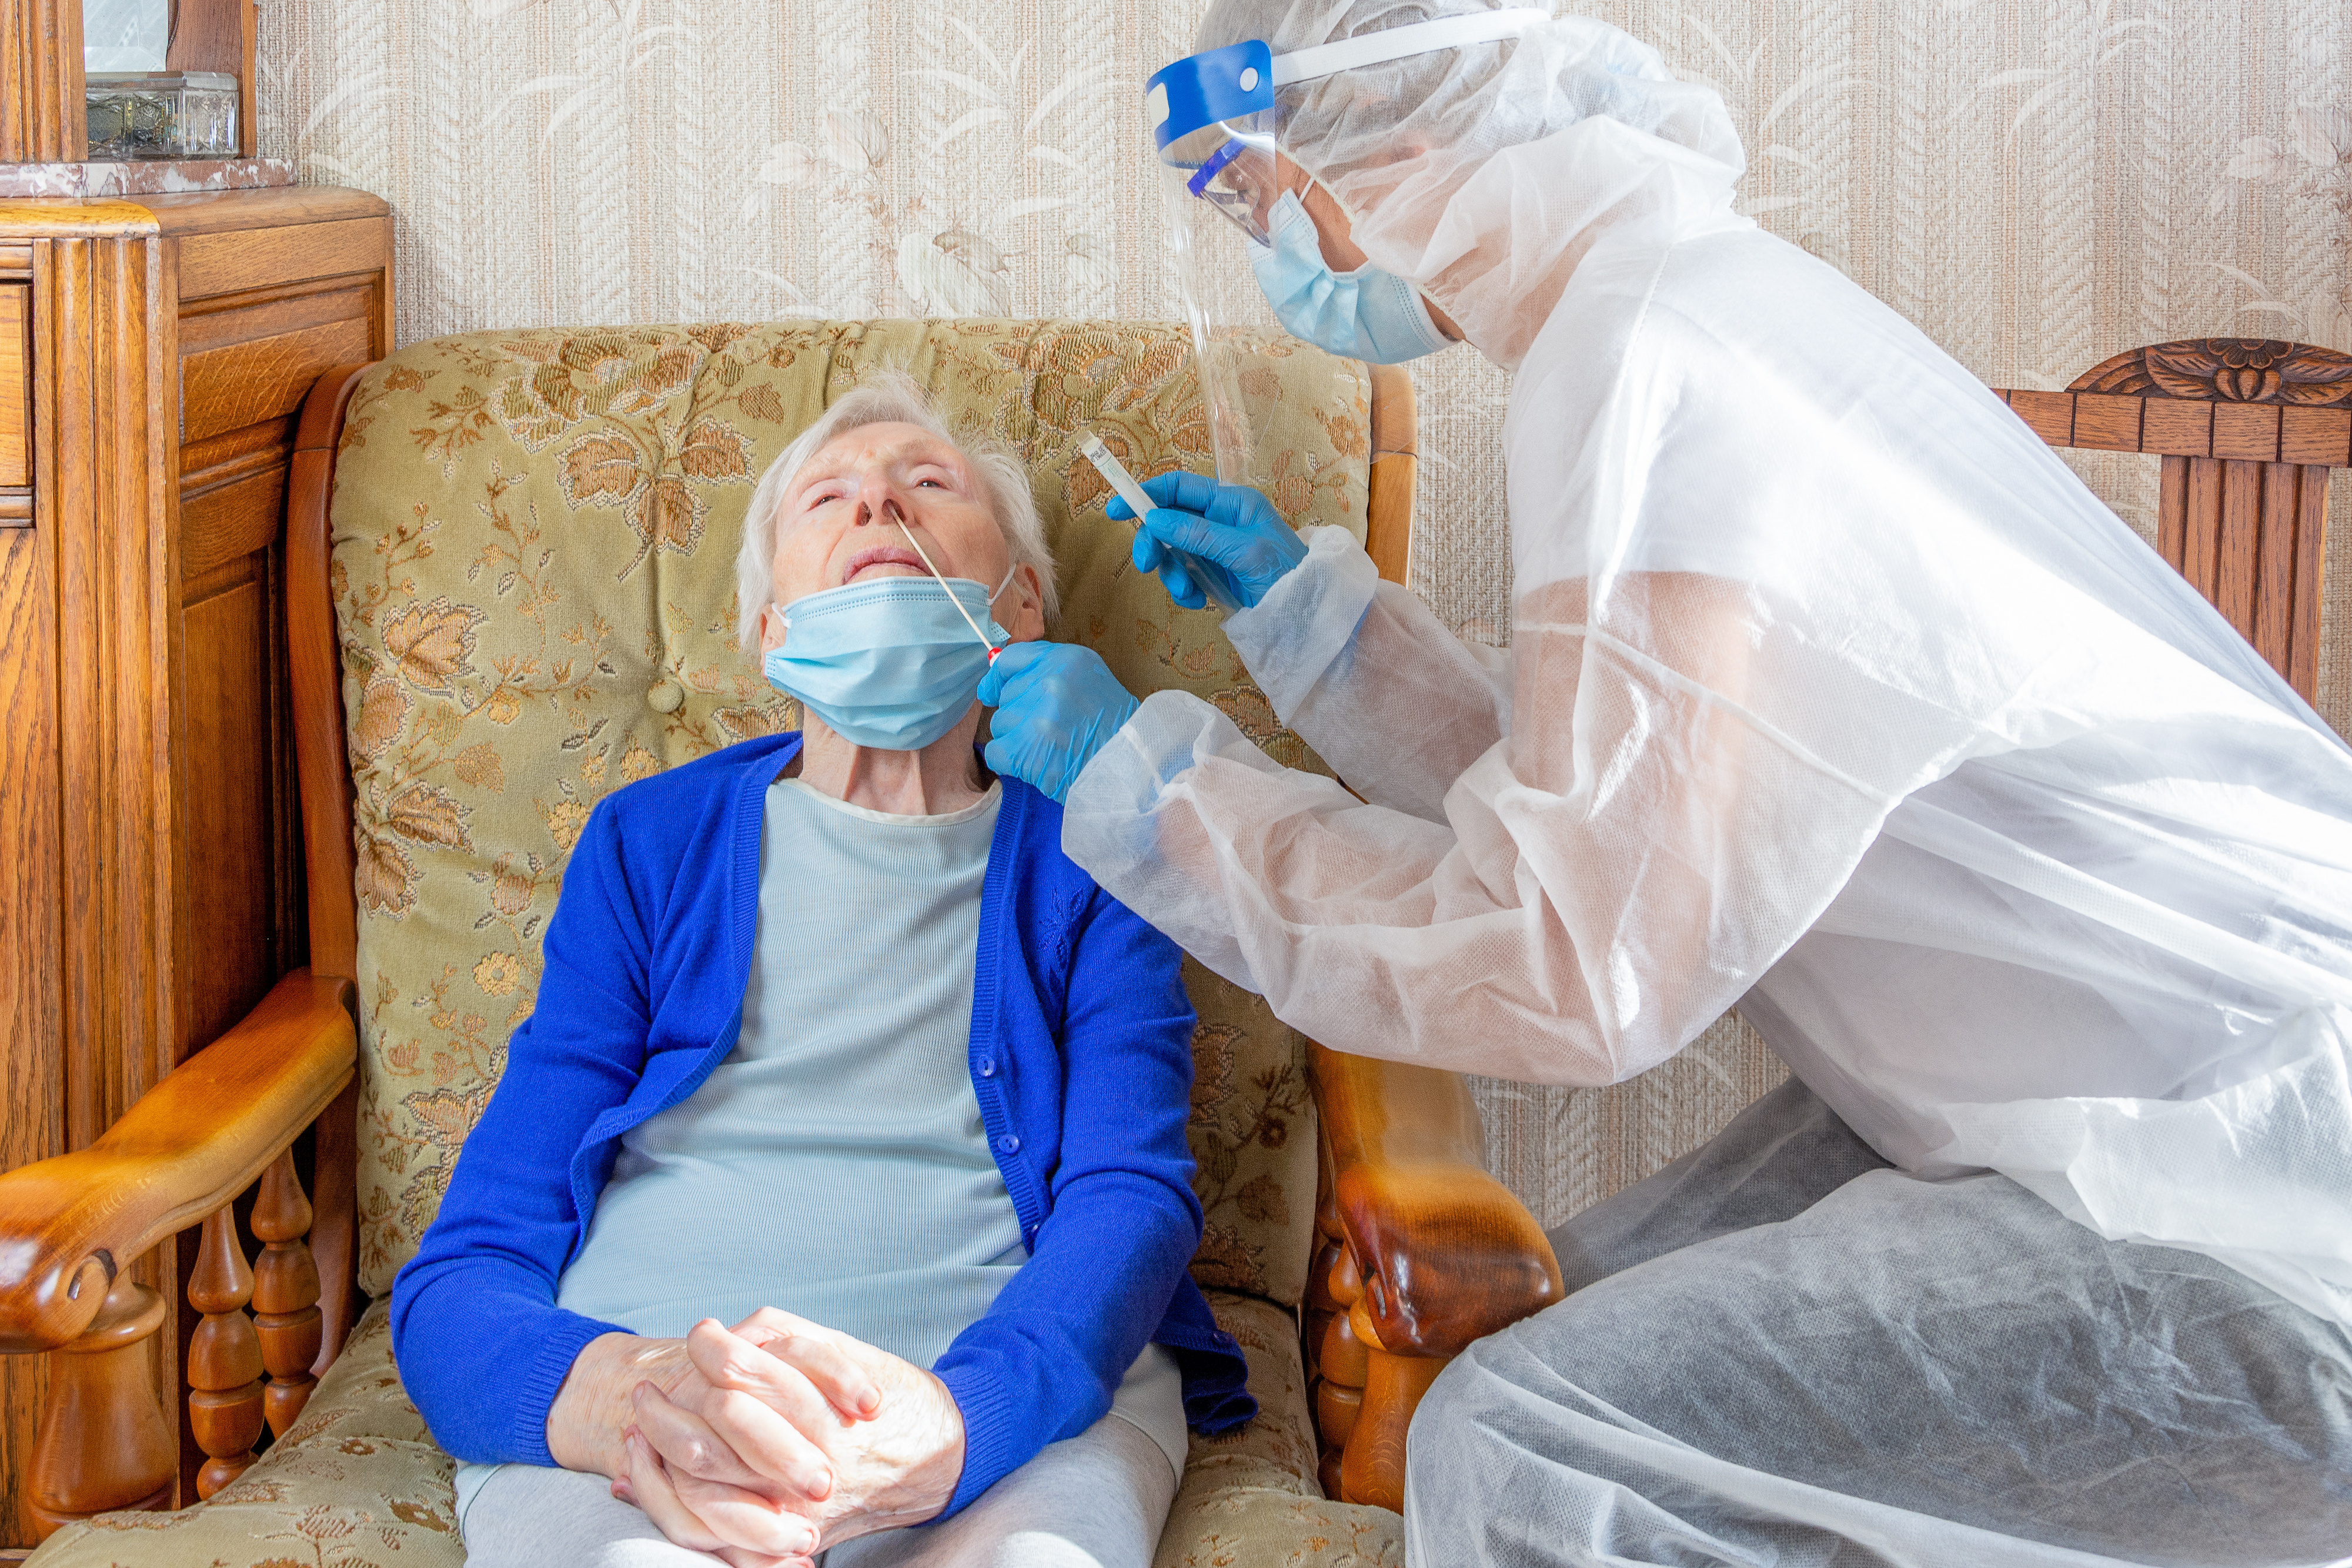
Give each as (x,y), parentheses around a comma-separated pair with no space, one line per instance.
(2251,431)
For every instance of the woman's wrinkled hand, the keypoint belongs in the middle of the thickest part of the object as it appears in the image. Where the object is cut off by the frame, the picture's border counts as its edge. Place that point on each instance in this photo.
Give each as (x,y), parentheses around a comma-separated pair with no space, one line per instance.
(787,1436)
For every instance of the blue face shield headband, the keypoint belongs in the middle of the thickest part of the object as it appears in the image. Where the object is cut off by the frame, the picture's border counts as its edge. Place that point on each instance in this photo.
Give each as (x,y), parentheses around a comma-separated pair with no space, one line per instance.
(1214,119)
(892,664)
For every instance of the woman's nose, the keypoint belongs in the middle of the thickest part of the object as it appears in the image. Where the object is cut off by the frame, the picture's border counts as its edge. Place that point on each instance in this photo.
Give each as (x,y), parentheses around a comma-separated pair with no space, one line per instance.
(878,501)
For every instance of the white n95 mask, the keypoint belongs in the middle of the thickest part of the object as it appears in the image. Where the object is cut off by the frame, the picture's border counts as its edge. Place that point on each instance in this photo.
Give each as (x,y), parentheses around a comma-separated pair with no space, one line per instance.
(891,664)
(1366,314)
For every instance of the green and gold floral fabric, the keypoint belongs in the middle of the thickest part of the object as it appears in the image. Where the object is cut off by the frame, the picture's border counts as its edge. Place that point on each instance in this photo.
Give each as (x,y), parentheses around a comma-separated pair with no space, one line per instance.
(534,536)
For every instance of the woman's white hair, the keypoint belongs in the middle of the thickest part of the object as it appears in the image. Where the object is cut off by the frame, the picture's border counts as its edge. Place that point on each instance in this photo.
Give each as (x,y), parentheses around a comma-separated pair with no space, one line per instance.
(890,397)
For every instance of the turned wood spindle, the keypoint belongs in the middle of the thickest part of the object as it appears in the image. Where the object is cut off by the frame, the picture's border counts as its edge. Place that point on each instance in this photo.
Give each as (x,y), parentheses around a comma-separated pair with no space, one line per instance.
(285,1293)
(1339,1360)
(224,1367)
(104,1442)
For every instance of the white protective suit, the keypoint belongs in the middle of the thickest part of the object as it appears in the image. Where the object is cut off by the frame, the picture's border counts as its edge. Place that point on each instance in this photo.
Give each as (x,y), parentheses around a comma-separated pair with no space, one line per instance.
(1832,694)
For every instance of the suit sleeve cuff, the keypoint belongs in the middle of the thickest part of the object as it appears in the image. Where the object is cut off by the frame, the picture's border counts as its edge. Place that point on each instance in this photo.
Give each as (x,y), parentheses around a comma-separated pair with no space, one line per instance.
(1305,623)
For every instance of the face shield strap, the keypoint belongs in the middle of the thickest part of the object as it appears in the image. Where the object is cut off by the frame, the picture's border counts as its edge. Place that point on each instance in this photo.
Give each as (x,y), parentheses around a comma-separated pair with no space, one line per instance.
(1401,43)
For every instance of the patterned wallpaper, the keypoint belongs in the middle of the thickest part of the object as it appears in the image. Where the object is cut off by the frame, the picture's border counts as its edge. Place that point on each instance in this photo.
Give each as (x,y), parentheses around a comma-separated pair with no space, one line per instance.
(2038,184)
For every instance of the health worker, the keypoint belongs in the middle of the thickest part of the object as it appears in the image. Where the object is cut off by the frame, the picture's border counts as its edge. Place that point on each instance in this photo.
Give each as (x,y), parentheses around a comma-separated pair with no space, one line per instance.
(1832,695)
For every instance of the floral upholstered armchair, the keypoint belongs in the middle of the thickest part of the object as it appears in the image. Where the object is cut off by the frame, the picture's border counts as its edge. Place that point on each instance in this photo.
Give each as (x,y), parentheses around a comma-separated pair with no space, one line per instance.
(509,559)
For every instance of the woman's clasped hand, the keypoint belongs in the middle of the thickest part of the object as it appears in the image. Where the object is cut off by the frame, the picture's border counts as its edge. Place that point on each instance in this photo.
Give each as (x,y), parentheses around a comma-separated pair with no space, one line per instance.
(767,1442)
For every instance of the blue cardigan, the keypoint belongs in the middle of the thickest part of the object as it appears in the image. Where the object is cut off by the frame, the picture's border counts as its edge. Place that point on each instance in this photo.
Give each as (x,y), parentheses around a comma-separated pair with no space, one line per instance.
(1080,1054)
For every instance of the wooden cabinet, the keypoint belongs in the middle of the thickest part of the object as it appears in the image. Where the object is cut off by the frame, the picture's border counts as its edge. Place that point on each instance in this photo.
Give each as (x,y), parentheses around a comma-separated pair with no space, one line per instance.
(153,356)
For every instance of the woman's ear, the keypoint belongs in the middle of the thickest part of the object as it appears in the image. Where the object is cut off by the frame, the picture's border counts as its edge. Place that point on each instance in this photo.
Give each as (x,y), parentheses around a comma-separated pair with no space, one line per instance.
(771,630)
(1027,621)
(1334,234)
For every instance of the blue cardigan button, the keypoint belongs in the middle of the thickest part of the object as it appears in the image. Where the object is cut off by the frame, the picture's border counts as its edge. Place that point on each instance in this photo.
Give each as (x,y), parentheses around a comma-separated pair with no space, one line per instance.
(988,1067)
(1009,1144)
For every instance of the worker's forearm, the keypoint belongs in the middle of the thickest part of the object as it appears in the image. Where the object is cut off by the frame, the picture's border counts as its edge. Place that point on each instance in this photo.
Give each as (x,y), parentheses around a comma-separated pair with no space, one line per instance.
(1361,670)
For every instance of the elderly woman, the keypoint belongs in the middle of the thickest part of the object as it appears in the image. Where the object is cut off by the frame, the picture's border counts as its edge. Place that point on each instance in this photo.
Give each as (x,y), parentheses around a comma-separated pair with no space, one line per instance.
(835,1046)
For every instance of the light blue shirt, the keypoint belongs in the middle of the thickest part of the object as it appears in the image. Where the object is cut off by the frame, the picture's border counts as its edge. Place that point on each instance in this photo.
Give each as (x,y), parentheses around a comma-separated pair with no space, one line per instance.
(834,1163)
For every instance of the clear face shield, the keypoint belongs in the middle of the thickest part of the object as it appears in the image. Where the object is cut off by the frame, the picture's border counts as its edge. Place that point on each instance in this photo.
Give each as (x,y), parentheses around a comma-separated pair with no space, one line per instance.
(1217,125)
(1214,115)
(1239,179)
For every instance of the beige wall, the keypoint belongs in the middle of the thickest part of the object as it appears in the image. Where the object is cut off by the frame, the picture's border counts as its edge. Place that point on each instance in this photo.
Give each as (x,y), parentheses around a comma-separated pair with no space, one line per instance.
(2038,184)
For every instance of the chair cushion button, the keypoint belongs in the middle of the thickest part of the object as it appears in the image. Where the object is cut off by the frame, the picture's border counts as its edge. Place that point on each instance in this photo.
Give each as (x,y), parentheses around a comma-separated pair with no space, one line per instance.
(665,697)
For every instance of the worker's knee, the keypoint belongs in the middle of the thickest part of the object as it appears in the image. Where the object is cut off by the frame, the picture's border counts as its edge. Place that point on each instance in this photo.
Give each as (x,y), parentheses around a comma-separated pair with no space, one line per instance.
(1443,1417)
(1563,1347)
(1480,1402)
(1450,1451)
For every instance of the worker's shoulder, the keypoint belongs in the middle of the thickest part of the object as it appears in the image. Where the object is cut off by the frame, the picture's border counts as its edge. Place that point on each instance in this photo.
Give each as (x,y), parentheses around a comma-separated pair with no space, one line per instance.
(1664,307)
(1736,316)
(1744,293)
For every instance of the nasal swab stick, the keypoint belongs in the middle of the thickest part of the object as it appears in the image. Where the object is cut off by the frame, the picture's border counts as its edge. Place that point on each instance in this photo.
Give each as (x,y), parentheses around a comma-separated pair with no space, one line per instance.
(992,648)
(1106,464)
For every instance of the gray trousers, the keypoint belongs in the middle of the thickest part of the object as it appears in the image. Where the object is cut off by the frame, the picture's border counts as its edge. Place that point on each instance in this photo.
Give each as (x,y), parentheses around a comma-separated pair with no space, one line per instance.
(1779,1351)
(1095,1501)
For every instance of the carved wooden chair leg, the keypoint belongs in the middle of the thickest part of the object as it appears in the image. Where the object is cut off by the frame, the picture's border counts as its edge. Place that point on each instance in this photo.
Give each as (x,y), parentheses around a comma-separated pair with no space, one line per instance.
(104,1442)
(1365,1395)
(224,1367)
(1371,1467)
(285,1293)
(1425,1254)
(1335,1358)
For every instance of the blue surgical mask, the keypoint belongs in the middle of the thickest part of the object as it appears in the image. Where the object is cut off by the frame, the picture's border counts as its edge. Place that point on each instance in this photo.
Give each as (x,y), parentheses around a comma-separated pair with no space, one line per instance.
(1366,314)
(891,663)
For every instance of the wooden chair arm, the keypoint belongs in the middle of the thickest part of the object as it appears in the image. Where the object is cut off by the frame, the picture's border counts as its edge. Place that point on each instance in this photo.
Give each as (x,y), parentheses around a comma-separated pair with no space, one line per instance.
(190,1146)
(1446,1253)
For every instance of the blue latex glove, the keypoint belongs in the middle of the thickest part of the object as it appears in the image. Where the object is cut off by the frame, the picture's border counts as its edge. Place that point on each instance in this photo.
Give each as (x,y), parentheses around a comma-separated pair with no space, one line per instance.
(1056,704)
(1225,538)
